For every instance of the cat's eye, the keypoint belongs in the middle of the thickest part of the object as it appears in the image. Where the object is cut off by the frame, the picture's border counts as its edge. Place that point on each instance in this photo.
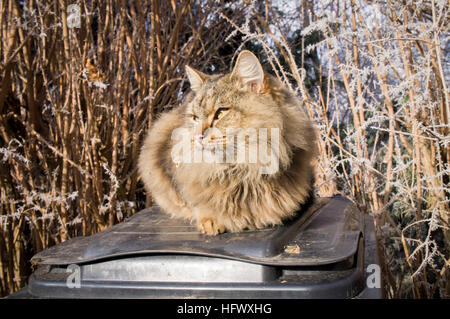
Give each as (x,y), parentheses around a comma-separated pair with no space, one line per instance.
(195,118)
(220,113)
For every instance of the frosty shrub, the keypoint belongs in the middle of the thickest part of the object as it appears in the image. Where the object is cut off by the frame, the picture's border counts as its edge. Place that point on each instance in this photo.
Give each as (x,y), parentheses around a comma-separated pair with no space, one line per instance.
(374,76)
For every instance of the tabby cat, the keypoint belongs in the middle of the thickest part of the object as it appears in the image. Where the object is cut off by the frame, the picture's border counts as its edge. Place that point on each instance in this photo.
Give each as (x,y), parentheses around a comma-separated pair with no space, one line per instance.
(238,154)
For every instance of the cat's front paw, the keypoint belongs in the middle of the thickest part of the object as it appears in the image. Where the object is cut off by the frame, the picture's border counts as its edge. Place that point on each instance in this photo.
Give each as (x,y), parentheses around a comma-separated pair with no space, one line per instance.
(210,226)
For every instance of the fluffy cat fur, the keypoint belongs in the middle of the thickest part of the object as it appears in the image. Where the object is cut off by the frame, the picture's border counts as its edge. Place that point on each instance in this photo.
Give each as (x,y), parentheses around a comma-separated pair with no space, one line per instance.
(232,196)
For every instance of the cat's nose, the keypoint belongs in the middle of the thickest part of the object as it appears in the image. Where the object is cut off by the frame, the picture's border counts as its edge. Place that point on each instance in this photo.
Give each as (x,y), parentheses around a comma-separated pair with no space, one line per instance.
(209,138)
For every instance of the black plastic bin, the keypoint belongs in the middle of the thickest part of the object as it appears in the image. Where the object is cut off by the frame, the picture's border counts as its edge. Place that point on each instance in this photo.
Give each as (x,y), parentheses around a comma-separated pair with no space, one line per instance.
(323,253)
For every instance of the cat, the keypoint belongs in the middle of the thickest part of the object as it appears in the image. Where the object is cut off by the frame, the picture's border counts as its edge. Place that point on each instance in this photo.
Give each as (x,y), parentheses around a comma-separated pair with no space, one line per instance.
(217,188)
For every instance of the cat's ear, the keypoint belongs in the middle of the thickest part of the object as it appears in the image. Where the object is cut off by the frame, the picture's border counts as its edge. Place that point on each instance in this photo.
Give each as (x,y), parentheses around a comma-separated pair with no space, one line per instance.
(249,71)
(196,78)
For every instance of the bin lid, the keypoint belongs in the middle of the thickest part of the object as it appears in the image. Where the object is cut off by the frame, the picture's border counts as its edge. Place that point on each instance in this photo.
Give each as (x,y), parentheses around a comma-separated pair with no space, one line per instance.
(326,232)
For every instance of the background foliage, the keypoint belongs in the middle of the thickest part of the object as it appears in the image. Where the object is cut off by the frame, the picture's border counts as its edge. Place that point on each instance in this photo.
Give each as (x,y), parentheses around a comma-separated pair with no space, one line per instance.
(76,101)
